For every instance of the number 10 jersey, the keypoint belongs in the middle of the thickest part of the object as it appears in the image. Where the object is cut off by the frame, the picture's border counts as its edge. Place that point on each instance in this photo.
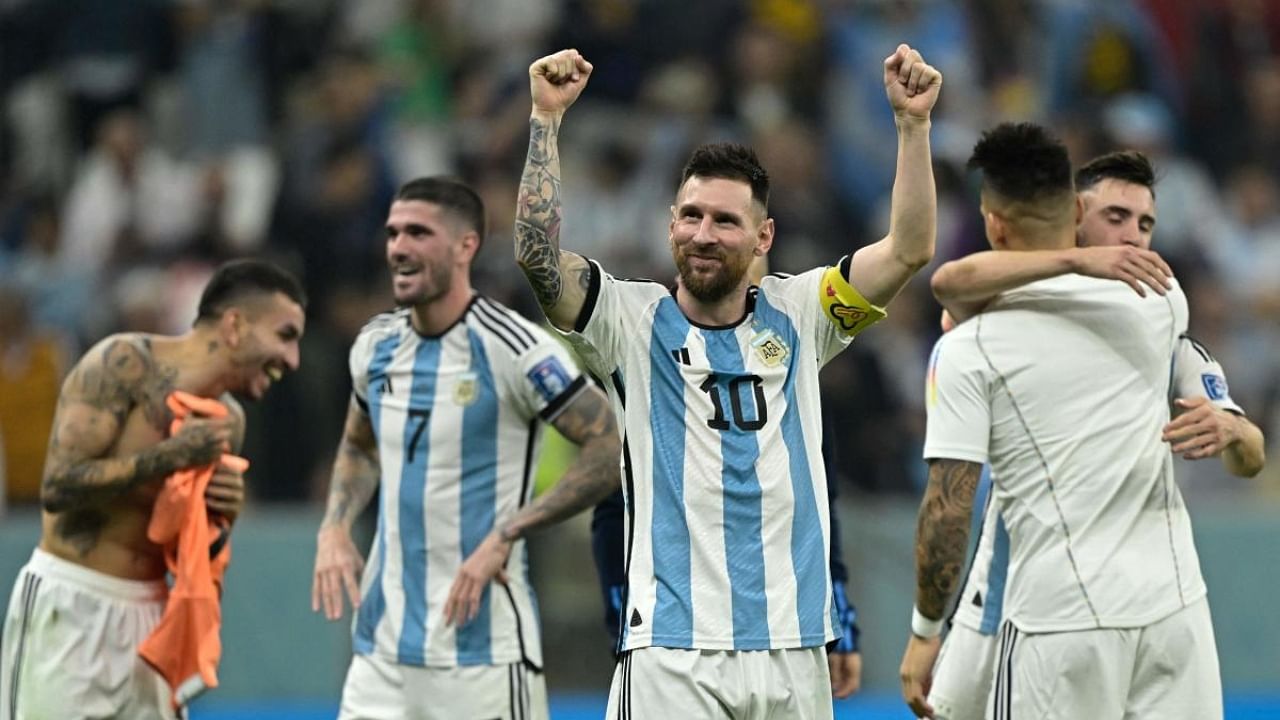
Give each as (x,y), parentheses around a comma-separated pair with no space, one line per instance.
(728,527)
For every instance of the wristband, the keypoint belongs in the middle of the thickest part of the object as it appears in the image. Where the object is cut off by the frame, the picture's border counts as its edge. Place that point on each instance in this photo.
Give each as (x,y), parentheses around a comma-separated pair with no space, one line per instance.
(922,626)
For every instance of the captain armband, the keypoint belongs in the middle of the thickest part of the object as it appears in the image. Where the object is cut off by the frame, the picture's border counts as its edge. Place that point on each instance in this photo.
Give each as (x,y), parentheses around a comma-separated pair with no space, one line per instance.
(844,306)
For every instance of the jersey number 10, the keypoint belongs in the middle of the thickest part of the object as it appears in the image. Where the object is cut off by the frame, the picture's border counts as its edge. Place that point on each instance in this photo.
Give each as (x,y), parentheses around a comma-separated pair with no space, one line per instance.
(711,386)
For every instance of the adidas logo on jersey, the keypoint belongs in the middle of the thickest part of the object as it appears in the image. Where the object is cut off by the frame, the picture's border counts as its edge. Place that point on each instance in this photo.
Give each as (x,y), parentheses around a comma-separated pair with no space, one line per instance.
(635,618)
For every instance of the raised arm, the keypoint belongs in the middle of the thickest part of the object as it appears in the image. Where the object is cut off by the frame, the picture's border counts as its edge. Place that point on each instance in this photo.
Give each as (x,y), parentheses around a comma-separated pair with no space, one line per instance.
(588,422)
(356,473)
(883,268)
(965,286)
(942,538)
(96,399)
(559,279)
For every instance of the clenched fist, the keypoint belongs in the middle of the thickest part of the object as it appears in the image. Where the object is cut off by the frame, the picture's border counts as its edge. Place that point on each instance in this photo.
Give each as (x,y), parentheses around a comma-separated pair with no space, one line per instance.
(911,84)
(555,81)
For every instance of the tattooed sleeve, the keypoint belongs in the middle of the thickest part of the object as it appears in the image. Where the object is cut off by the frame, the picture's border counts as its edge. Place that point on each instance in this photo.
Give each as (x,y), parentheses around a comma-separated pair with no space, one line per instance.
(587,421)
(109,382)
(356,470)
(558,278)
(942,532)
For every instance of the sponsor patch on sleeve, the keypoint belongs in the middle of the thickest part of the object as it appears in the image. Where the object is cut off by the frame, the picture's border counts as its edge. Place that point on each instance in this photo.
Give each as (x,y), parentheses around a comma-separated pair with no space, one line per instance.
(1215,386)
(550,378)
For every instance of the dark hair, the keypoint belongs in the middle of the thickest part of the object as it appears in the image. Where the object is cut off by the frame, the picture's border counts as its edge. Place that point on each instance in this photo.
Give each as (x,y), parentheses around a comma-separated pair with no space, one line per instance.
(1128,166)
(729,161)
(236,280)
(450,194)
(1022,162)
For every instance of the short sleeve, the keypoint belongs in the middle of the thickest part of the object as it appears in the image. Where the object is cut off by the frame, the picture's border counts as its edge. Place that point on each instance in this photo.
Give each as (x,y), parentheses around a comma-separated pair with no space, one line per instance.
(611,315)
(359,359)
(546,378)
(1197,374)
(831,311)
(957,398)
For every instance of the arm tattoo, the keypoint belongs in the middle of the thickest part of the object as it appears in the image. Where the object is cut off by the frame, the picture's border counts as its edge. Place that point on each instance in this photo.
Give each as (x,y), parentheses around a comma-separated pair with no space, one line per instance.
(537,224)
(942,532)
(356,470)
(96,399)
(236,412)
(587,421)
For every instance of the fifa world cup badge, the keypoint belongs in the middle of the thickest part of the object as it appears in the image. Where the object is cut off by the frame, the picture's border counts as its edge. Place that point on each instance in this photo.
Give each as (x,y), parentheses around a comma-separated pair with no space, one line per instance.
(770,347)
(465,390)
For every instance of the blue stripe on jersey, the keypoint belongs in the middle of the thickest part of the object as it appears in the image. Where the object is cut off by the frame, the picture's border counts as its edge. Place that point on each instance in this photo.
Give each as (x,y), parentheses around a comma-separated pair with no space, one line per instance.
(413,486)
(673,611)
(375,603)
(808,546)
(478,494)
(993,609)
(743,525)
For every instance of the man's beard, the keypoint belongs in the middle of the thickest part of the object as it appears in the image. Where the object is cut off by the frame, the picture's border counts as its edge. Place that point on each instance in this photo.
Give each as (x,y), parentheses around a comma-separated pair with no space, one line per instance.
(435,284)
(715,287)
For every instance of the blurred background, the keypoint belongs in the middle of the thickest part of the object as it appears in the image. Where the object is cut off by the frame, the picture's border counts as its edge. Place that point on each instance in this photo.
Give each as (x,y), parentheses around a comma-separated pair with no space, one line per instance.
(144,141)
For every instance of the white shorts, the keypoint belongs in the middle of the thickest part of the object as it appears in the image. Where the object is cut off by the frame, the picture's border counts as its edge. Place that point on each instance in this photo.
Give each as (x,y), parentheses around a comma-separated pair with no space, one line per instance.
(71,642)
(1166,670)
(656,683)
(963,674)
(379,689)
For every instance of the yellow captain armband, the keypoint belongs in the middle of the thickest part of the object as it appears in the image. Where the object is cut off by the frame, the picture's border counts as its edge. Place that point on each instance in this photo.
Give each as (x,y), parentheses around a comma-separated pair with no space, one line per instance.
(844,306)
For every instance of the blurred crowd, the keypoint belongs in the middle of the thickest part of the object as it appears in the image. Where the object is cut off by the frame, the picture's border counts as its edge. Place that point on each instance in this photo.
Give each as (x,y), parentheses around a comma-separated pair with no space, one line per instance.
(142,142)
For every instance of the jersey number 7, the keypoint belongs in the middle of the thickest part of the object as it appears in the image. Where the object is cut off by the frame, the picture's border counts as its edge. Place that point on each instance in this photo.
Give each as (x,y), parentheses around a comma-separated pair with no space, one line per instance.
(420,417)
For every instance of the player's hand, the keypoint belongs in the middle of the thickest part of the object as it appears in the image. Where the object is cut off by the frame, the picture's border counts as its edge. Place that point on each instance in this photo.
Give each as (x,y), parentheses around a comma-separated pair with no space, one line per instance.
(1141,269)
(946,322)
(555,81)
(846,673)
(911,84)
(916,673)
(1202,430)
(225,493)
(486,563)
(201,441)
(338,567)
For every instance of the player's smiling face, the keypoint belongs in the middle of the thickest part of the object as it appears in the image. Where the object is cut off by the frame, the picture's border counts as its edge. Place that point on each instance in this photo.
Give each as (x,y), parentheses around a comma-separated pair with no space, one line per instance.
(266,346)
(1117,213)
(716,231)
(423,248)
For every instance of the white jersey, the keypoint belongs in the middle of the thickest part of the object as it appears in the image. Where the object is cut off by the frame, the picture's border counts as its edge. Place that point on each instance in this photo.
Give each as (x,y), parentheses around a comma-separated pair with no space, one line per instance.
(456,419)
(1195,374)
(728,524)
(1063,386)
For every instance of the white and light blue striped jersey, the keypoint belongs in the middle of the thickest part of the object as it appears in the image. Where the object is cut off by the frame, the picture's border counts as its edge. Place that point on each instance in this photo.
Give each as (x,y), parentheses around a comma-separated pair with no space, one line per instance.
(457,419)
(980,604)
(727,543)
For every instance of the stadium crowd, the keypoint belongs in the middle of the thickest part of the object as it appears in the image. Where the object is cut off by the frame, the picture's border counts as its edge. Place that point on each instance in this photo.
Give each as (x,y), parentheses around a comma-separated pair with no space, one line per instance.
(143,142)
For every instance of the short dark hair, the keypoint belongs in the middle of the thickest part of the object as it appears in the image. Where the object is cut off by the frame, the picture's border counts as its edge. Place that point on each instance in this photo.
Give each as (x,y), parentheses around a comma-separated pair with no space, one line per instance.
(450,194)
(1022,162)
(1128,166)
(235,280)
(729,161)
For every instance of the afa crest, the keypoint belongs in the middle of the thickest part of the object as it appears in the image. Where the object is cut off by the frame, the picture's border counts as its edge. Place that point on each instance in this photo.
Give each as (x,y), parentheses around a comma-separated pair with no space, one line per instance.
(770,348)
(466,390)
